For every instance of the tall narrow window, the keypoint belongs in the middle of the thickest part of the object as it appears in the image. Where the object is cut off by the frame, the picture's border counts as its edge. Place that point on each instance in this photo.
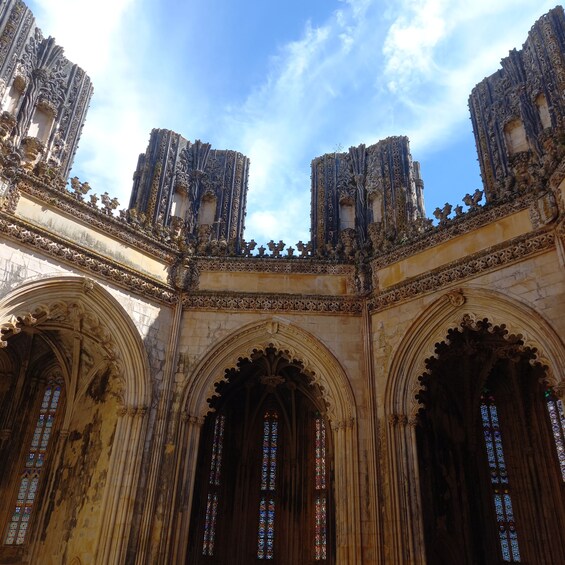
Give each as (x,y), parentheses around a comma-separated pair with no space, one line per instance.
(557,418)
(213,483)
(266,533)
(33,467)
(320,529)
(499,480)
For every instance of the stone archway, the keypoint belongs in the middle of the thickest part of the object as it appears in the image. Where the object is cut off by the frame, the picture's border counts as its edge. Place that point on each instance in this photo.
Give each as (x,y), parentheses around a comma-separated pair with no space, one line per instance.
(326,373)
(401,402)
(104,363)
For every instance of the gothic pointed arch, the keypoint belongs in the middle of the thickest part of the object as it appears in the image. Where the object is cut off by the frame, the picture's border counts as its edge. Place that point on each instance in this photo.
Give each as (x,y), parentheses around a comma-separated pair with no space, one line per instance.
(300,344)
(402,404)
(70,335)
(324,374)
(57,296)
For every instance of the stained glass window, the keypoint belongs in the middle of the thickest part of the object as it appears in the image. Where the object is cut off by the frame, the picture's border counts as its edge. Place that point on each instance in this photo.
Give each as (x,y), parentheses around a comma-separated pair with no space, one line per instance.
(320,505)
(213,481)
(508,536)
(266,537)
(31,474)
(266,531)
(557,418)
(269,464)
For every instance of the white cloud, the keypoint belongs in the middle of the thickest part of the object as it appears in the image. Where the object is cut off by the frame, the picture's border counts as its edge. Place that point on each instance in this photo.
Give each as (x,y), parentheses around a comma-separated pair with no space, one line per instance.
(101,37)
(373,68)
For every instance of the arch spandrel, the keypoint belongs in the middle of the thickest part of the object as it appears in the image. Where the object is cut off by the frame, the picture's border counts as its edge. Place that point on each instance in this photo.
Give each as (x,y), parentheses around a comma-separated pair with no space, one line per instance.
(448,311)
(317,361)
(80,304)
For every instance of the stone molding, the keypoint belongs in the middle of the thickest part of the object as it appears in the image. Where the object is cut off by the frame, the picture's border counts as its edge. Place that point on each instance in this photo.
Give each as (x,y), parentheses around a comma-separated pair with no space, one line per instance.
(493,258)
(457,226)
(77,256)
(95,217)
(272,302)
(294,343)
(273,265)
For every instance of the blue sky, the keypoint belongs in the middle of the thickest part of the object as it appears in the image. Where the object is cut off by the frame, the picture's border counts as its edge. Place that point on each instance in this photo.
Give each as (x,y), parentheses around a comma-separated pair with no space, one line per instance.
(284,82)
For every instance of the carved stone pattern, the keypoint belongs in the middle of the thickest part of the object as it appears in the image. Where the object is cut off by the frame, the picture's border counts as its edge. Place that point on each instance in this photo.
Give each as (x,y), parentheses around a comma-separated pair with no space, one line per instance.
(271,302)
(78,257)
(479,263)
(266,265)
(463,224)
(95,217)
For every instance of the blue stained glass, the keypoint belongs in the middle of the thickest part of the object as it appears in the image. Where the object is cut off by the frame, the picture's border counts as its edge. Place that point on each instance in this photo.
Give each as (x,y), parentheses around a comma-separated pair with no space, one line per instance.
(508,536)
(557,418)
(29,481)
(266,529)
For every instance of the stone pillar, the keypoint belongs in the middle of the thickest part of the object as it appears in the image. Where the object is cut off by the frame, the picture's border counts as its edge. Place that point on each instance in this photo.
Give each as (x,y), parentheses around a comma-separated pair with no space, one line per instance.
(407,529)
(123,475)
(185,477)
(347,503)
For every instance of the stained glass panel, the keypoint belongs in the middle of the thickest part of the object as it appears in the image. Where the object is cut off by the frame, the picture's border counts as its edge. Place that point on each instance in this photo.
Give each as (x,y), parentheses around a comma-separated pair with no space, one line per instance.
(320,454)
(217,448)
(269,460)
(320,543)
(210,524)
(499,479)
(266,530)
(210,519)
(30,477)
(557,418)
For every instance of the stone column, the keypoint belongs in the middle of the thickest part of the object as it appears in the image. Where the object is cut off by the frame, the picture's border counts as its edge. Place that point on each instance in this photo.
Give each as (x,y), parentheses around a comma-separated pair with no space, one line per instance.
(123,474)
(407,531)
(348,516)
(185,477)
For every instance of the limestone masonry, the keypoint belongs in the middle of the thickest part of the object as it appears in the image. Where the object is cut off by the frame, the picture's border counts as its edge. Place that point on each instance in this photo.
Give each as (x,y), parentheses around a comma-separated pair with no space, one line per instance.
(389,392)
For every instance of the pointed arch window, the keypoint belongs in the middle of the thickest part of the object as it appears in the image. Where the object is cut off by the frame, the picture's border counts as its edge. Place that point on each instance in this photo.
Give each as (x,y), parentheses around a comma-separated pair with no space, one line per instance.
(33,467)
(499,480)
(273,501)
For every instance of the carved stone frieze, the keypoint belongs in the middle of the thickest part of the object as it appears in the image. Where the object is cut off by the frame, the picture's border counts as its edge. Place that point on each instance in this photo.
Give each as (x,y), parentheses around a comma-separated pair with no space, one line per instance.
(272,302)
(65,201)
(463,224)
(251,264)
(494,258)
(78,257)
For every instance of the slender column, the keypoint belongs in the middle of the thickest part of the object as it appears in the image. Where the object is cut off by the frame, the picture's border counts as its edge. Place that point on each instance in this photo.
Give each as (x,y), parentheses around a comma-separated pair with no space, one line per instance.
(185,477)
(408,538)
(375,529)
(159,438)
(123,472)
(348,522)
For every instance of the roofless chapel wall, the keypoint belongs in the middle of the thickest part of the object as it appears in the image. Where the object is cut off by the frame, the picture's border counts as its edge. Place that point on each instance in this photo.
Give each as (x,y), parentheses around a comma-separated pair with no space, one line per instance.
(143,316)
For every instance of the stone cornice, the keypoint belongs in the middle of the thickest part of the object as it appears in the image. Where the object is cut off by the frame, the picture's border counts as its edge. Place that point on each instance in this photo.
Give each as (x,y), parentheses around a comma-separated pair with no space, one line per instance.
(489,260)
(455,227)
(63,200)
(272,303)
(311,266)
(76,256)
